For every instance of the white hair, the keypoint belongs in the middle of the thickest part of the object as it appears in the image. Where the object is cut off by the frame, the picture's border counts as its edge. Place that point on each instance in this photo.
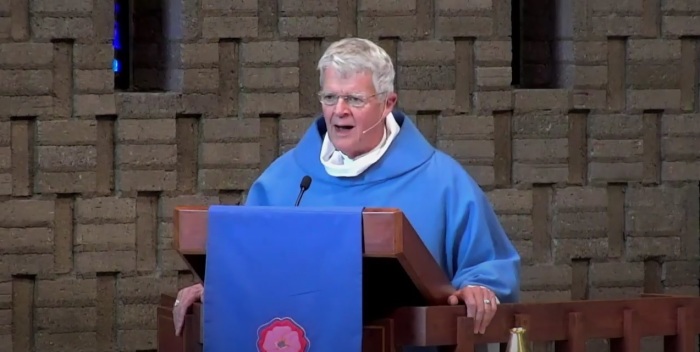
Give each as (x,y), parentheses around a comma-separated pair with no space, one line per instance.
(355,55)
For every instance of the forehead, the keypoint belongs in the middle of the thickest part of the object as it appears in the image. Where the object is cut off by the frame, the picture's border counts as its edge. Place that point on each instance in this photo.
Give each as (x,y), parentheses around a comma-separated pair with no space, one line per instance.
(359,82)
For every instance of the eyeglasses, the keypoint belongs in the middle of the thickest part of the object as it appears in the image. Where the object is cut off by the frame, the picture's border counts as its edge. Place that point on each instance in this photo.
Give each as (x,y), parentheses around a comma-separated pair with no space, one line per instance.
(354,100)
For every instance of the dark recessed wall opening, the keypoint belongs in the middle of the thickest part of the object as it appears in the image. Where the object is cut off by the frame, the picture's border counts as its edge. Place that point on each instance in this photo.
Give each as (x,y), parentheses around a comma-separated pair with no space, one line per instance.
(145,44)
(541,33)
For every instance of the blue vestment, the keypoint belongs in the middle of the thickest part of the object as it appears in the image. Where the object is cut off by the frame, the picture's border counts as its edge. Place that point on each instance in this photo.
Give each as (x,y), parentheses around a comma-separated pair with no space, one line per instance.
(447,208)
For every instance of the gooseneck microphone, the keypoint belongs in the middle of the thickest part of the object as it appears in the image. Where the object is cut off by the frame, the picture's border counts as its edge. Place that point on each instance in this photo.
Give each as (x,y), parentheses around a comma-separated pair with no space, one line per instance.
(304,185)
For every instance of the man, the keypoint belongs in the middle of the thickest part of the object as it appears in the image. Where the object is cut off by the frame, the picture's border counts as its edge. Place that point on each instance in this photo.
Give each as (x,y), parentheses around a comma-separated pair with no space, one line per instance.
(362,152)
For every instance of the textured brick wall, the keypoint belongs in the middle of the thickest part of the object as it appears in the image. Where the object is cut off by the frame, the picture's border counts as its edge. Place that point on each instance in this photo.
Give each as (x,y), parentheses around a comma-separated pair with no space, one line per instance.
(596,177)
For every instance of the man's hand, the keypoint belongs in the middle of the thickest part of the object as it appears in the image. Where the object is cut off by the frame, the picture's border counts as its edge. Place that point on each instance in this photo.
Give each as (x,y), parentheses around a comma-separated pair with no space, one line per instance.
(481,305)
(185,298)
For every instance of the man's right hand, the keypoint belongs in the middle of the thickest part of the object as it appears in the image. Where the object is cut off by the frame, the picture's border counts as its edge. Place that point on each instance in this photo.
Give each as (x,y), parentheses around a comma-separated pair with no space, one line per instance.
(185,298)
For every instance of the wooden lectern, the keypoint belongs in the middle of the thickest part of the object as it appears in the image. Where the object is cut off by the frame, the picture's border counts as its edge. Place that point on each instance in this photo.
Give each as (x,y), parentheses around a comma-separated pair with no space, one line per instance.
(405,295)
(398,271)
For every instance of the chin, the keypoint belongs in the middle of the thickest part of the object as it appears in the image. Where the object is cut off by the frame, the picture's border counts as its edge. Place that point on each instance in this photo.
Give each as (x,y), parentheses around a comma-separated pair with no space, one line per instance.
(344,140)
(344,145)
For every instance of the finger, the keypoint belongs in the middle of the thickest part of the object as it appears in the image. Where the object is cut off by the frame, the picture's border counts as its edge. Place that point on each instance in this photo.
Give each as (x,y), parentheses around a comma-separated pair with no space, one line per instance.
(485,308)
(453,300)
(490,313)
(178,320)
(470,301)
(479,309)
(177,316)
(201,298)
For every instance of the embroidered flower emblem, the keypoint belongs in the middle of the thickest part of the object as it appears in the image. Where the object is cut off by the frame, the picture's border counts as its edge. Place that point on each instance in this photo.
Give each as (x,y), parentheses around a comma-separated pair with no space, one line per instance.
(283,335)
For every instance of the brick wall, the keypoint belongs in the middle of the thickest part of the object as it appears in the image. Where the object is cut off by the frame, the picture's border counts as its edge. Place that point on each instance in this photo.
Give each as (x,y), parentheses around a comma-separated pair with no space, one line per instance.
(592,159)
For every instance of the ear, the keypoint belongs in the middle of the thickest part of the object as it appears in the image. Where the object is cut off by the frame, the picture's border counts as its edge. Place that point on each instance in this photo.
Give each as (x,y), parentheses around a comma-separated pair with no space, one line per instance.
(391,100)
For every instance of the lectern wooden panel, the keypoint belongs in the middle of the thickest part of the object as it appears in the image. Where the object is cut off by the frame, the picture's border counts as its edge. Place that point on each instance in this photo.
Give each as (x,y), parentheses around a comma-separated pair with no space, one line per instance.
(624,323)
(675,317)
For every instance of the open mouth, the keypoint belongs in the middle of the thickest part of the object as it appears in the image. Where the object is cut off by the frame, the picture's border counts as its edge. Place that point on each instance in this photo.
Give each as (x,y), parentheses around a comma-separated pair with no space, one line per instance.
(343,127)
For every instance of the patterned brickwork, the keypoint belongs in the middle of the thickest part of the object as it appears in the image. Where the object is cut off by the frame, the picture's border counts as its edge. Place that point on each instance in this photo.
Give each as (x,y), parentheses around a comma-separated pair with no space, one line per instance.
(594,172)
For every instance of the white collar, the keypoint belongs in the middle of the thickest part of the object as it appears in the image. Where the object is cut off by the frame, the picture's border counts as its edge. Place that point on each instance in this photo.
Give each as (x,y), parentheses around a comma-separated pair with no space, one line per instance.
(340,165)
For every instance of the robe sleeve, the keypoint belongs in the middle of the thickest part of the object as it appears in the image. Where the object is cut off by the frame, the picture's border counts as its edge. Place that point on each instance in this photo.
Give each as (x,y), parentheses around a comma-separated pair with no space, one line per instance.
(257,196)
(479,250)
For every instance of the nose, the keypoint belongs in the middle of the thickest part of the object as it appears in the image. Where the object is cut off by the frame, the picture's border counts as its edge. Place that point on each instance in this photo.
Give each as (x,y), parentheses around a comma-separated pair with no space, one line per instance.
(341,107)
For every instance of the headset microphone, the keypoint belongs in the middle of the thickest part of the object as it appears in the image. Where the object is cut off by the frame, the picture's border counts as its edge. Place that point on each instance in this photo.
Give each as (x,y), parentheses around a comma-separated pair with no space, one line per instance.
(381,118)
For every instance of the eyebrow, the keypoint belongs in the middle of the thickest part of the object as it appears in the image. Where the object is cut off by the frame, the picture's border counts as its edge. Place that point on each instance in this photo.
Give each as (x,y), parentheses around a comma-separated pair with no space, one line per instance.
(351,94)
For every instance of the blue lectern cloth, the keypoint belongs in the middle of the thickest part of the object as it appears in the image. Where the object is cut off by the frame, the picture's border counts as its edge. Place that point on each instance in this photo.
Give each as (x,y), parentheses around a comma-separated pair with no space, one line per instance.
(283,279)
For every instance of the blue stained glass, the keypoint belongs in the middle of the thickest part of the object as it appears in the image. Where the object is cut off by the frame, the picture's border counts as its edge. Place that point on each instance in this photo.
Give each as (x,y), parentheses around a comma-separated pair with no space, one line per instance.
(117,41)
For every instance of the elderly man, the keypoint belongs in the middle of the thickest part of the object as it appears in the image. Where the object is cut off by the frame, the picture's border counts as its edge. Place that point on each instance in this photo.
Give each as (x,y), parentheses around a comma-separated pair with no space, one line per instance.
(363,152)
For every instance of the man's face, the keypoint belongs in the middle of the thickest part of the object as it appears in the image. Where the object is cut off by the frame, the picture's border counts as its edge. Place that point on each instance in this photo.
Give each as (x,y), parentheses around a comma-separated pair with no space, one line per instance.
(358,109)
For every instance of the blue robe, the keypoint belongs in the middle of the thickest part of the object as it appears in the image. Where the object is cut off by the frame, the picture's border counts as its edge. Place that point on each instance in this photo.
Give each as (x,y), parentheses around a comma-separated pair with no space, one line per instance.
(447,208)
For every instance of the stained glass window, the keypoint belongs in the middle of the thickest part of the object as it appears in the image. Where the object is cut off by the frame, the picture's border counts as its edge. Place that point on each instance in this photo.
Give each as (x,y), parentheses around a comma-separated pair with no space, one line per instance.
(121,44)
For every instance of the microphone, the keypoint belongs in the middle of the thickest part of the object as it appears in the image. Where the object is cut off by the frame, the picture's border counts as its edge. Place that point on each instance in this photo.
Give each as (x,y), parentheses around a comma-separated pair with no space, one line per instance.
(375,124)
(381,118)
(304,185)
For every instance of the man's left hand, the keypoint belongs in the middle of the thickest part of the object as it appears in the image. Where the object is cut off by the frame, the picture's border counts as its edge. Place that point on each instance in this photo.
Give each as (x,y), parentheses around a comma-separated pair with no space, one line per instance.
(481,305)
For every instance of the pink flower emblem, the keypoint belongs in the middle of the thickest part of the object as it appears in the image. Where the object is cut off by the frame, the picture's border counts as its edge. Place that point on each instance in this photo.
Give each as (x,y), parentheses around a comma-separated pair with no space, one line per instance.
(282,334)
